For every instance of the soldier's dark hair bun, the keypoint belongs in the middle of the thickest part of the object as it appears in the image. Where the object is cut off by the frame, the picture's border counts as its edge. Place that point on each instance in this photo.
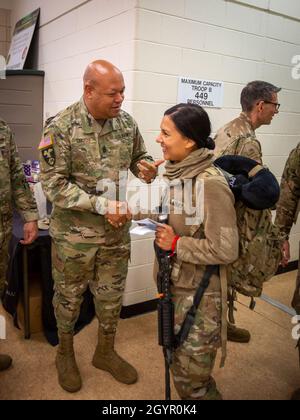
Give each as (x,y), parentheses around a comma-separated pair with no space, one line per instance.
(193,122)
(209,143)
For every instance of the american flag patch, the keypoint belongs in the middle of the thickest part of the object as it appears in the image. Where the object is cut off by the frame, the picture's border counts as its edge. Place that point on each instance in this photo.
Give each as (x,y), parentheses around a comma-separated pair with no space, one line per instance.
(46,142)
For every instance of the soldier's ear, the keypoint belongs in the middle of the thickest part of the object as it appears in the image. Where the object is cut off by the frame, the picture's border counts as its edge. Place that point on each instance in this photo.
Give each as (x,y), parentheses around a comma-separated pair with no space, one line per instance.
(190,144)
(260,105)
(88,89)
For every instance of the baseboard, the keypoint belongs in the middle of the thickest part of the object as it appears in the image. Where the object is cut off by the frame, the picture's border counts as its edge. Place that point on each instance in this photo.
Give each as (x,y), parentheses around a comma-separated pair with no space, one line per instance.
(138,309)
(151,305)
(292,265)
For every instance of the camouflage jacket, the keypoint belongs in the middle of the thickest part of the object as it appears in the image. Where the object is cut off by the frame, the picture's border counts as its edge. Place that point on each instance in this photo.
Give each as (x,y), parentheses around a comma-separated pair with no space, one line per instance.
(238,138)
(288,205)
(77,154)
(14,190)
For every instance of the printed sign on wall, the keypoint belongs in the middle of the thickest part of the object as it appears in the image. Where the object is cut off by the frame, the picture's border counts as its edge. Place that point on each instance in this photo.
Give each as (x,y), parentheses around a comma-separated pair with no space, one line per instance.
(21,41)
(206,93)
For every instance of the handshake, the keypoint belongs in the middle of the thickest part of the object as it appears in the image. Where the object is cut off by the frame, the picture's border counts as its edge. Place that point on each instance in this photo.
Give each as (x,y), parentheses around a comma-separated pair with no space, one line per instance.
(117,213)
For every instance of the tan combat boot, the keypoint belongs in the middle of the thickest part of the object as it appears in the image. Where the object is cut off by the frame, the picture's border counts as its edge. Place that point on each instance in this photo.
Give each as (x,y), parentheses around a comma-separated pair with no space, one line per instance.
(213,393)
(68,372)
(106,358)
(296,395)
(237,335)
(5,361)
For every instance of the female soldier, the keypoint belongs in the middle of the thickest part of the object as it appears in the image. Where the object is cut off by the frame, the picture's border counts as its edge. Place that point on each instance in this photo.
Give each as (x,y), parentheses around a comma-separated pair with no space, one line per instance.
(187,148)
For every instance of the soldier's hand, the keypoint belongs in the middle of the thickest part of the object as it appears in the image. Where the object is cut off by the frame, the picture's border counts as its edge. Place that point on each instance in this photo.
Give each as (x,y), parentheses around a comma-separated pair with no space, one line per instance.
(118,213)
(148,171)
(164,237)
(285,253)
(30,233)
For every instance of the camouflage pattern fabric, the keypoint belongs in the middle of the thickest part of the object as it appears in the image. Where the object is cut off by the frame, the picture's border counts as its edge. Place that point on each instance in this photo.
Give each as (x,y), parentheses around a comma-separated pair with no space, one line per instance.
(259,255)
(192,376)
(79,159)
(205,334)
(259,243)
(199,245)
(194,361)
(77,266)
(14,193)
(288,206)
(238,138)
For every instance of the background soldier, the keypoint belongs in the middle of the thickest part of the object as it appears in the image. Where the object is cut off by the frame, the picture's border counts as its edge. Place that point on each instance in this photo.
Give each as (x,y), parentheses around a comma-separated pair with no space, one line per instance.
(259,105)
(287,212)
(14,193)
(84,147)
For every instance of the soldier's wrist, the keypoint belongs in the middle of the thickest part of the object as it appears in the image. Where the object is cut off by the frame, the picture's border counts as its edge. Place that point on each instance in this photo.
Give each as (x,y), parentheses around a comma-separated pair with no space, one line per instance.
(101,205)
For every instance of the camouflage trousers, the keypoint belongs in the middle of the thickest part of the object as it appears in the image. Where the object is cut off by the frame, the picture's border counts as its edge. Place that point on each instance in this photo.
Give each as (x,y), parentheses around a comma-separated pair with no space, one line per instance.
(4,257)
(102,268)
(192,376)
(194,360)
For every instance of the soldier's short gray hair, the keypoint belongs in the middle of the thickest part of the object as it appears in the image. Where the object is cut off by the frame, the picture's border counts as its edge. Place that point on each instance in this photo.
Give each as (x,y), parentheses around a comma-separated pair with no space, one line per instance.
(257,91)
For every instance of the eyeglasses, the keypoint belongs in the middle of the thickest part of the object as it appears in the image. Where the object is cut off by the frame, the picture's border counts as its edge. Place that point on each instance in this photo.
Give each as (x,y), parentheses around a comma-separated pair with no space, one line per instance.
(277,105)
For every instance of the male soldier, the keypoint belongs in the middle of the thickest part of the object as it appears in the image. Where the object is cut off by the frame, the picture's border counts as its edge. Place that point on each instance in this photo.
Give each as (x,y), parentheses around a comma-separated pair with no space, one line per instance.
(259,105)
(83,150)
(14,192)
(286,213)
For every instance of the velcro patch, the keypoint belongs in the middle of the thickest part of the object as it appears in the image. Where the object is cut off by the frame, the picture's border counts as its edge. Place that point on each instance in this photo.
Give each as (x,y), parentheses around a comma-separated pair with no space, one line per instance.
(46,142)
(49,156)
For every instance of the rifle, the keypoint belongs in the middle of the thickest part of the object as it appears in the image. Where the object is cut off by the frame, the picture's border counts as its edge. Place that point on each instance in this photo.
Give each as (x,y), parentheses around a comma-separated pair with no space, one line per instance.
(166,336)
(165,313)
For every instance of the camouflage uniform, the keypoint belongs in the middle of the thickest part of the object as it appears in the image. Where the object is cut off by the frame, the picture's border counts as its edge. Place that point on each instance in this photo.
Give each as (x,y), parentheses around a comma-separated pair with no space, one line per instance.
(238,138)
(77,153)
(288,206)
(14,193)
(213,240)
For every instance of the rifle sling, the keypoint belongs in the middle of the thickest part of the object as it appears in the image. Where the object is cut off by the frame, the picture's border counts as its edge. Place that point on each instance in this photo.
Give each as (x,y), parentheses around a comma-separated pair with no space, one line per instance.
(190,316)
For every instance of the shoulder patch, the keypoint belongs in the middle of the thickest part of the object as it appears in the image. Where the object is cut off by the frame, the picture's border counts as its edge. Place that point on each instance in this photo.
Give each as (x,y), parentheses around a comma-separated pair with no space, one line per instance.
(49,155)
(46,142)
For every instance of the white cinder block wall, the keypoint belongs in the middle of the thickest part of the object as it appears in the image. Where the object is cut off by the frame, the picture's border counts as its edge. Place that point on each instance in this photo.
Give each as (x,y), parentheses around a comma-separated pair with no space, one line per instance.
(5,27)
(230,41)
(154,42)
(72,34)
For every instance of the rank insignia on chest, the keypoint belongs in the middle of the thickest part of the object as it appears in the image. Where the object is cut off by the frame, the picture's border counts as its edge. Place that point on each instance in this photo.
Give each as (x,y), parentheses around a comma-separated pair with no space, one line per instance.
(49,156)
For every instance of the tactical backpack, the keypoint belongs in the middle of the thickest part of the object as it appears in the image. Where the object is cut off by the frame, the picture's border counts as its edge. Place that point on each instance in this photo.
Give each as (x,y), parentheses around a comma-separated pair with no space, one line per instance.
(256,191)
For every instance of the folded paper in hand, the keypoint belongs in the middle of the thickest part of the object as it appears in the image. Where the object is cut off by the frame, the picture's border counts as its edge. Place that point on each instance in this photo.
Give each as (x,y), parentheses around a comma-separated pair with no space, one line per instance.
(145,226)
(149,223)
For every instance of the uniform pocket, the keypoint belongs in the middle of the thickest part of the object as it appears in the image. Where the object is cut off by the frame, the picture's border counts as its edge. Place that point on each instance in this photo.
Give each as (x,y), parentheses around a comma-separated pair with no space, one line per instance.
(184,275)
(205,333)
(85,152)
(119,236)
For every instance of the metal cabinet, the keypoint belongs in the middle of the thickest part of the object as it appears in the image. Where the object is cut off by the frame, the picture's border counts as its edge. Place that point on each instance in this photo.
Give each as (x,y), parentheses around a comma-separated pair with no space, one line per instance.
(21,106)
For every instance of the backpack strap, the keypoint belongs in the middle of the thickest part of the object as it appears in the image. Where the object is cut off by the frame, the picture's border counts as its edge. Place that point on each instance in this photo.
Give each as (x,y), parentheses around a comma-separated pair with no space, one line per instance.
(190,316)
(255,170)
